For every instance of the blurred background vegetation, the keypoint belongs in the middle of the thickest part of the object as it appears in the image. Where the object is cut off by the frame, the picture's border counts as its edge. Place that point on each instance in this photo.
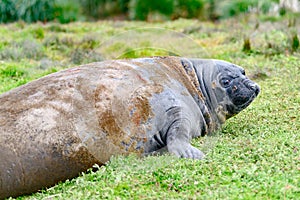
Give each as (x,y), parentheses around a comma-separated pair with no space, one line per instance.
(65,11)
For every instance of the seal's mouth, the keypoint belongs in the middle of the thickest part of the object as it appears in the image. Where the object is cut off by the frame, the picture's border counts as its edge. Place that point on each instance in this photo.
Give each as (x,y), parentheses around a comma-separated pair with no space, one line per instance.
(247,103)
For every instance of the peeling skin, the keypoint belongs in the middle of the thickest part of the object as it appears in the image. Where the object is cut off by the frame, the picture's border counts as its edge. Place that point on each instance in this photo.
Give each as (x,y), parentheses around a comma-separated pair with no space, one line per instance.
(60,125)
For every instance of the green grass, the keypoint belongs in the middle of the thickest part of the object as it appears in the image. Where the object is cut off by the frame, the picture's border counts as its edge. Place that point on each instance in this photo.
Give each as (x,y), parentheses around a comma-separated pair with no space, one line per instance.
(256,155)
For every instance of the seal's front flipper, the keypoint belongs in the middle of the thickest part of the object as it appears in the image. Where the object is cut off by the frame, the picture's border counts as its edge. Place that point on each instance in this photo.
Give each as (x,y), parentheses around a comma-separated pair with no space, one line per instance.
(178,140)
(185,150)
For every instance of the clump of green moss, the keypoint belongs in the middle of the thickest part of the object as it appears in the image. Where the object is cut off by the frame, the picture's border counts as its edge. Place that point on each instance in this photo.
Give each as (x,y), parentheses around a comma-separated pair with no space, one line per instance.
(295,42)
(38,33)
(247,45)
(12,71)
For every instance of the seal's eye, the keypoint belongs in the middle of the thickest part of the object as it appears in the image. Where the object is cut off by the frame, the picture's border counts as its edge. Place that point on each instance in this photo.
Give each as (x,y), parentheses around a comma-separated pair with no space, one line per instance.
(225,82)
(243,72)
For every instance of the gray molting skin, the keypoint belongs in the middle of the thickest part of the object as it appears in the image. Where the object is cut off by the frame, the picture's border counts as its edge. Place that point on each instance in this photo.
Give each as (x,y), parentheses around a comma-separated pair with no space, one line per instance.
(58,126)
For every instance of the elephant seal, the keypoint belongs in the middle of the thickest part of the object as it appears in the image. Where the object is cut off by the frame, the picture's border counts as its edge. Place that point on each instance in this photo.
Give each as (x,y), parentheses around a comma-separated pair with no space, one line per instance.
(62,124)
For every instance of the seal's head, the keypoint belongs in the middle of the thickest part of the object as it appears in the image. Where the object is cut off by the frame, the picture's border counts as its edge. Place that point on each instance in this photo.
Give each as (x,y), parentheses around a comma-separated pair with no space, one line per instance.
(225,87)
(240,90)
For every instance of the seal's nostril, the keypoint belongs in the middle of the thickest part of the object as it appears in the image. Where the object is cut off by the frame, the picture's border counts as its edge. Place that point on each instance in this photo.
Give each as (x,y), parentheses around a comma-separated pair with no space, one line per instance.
(257,90)
(254,87)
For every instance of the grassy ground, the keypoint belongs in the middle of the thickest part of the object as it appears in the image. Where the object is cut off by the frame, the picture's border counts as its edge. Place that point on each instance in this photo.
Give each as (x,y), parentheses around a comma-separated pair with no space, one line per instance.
(256,155)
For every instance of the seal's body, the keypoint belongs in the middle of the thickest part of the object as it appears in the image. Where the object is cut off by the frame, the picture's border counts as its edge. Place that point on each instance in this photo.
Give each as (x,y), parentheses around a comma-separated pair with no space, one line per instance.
(62,124)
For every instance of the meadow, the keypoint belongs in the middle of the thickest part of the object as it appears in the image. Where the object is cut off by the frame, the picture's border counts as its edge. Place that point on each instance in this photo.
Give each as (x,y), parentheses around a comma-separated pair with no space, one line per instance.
(256,154)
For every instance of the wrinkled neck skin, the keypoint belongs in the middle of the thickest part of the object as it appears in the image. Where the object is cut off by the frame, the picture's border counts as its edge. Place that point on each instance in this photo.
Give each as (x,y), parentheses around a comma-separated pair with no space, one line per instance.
(205,71)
